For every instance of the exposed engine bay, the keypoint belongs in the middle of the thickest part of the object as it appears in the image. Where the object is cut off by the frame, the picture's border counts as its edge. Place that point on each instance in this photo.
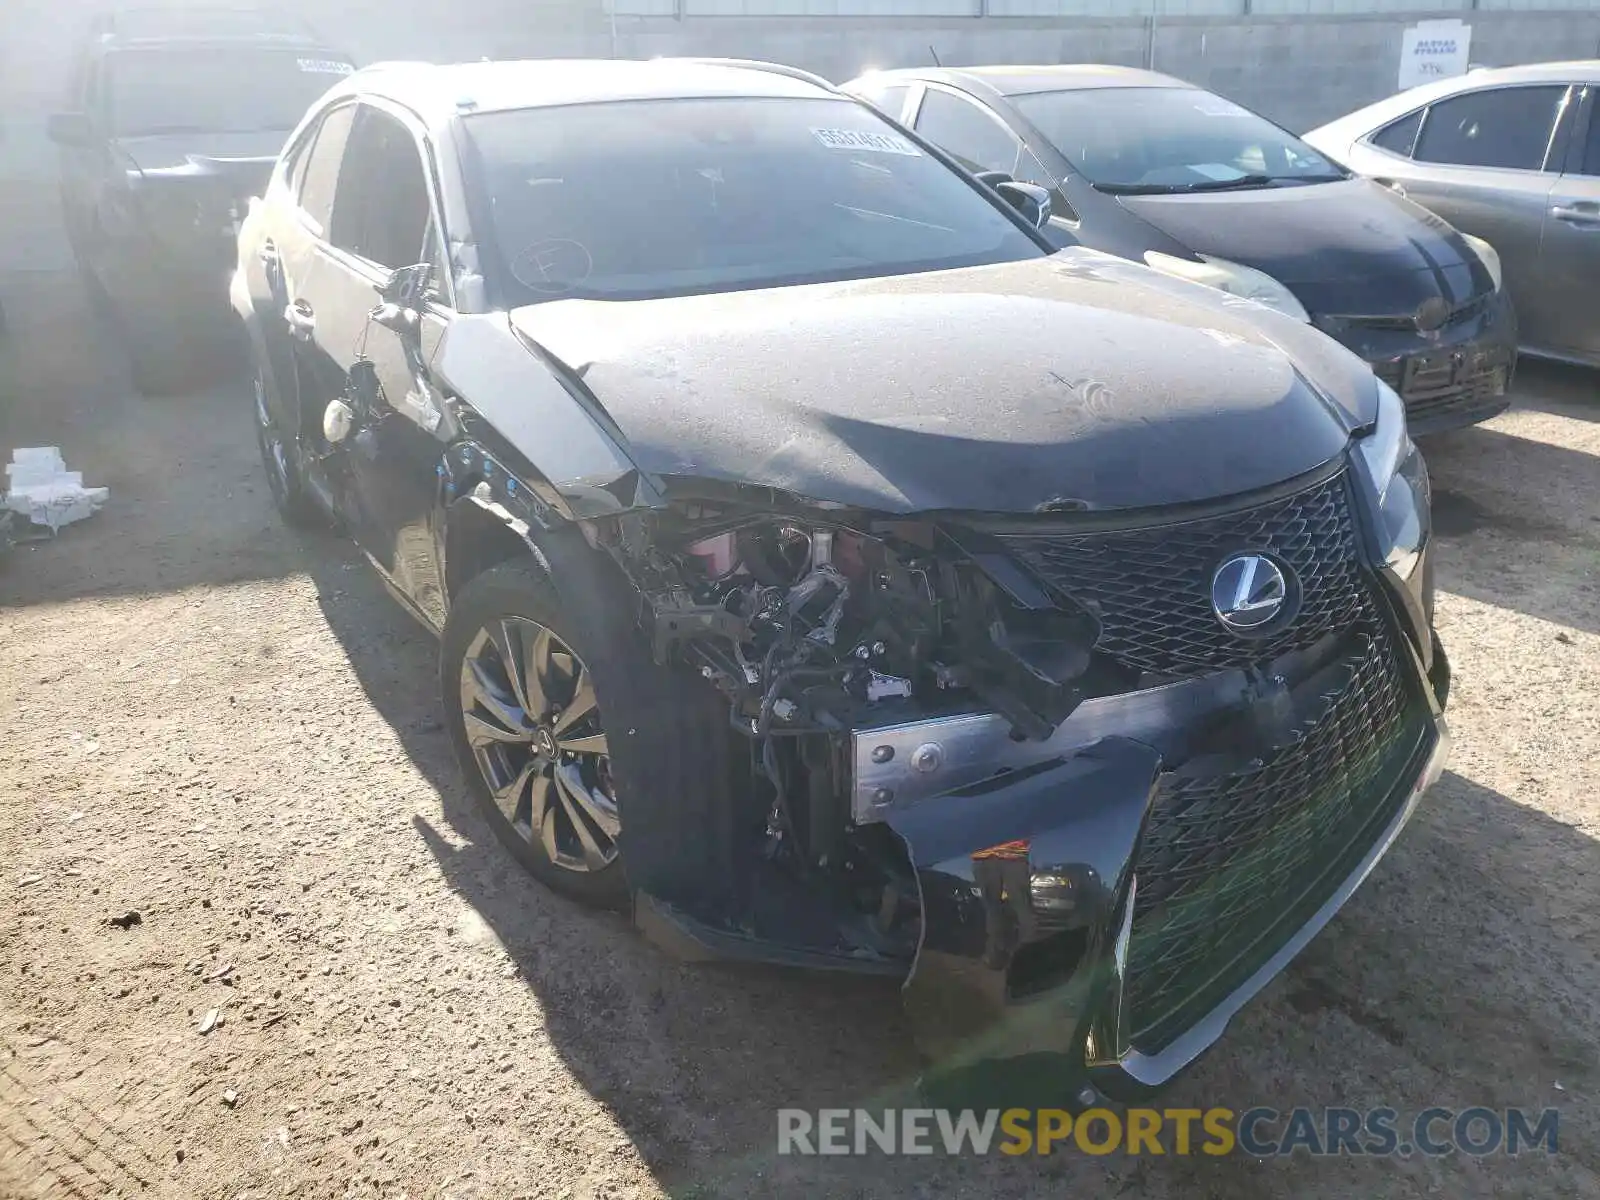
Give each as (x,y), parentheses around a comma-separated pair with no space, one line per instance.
(816,630)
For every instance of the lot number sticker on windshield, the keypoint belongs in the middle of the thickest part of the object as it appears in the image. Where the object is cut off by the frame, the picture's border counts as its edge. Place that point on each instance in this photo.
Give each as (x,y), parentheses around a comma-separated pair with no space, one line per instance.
(858,139)
(324,66)
(1216,106)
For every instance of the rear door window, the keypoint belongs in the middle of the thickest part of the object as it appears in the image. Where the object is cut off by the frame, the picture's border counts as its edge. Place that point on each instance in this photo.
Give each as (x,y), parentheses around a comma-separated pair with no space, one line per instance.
(315,177)
(1507,128)
(1398,137)
(1591,153)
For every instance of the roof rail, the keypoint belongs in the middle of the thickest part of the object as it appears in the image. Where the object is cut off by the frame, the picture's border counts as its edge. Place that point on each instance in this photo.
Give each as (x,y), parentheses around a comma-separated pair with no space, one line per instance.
(756,64)
(170,20)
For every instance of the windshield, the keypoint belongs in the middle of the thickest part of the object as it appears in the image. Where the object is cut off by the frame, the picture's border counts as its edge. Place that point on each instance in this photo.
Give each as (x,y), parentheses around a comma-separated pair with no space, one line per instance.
(1170,140)
(641,199)
(215,89)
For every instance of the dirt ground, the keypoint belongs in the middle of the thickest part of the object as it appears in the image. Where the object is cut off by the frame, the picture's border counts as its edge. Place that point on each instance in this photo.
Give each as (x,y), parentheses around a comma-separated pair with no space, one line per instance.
(232,731)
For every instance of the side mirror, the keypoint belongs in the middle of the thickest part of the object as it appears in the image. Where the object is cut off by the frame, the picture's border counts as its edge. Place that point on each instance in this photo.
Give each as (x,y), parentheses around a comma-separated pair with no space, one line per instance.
(69,129)
(407,286)
(1029,199)
(402,296)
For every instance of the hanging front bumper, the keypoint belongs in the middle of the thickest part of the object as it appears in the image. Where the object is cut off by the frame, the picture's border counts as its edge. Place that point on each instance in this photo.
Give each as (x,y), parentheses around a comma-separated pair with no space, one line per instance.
(1038,950)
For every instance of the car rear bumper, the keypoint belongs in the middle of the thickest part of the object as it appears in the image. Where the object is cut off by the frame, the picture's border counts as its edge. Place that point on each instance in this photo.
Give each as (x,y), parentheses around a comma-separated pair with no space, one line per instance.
(1457,376)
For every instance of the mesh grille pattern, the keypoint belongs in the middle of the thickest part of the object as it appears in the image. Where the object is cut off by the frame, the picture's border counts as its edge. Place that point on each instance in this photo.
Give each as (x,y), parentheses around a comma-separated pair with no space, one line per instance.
(1225,860)
(1151,587)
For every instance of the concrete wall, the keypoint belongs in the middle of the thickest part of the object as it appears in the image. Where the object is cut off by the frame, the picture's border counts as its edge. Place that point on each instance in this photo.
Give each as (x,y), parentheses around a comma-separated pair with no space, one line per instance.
(1299,69)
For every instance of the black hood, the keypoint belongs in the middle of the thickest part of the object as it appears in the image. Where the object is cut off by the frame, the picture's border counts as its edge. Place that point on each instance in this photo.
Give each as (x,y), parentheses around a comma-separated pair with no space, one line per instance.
(1352,248)
(1075,378)
(160,151)
(241,161)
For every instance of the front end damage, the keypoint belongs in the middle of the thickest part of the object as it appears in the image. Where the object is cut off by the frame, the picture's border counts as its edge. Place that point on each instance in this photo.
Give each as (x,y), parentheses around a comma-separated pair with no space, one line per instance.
(1021,764)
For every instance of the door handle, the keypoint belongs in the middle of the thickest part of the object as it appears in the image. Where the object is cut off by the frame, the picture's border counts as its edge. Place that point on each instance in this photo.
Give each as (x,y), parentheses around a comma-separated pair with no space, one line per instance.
(301,320)
(1586,215)
(1394,185)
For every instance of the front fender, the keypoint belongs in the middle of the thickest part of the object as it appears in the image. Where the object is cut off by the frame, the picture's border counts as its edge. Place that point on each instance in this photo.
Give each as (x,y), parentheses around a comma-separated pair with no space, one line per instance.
(564,440)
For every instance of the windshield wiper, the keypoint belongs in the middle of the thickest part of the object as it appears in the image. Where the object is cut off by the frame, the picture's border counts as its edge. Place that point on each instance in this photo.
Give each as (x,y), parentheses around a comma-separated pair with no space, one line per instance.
(1210,185)
(1199,185)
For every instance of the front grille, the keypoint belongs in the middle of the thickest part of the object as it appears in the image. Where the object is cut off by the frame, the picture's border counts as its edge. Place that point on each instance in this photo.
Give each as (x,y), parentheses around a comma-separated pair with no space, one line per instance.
(1227,861)
(1231,864)
(1151,587)
(1460,315)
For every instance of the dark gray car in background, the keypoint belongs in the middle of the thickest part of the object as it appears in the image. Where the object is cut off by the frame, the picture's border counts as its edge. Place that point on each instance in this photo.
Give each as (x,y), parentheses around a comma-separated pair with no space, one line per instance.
(173,119)
(1153,169)
(1511,155)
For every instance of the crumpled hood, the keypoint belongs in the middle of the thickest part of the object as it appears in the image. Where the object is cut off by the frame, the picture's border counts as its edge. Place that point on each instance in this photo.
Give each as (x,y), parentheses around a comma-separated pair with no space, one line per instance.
(160,151)
(1352,247)
(242,162)
(1079,379)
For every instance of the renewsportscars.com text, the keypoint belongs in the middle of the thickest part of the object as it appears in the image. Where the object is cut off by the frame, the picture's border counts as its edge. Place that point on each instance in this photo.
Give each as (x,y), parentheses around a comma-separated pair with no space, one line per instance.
(1260,1132)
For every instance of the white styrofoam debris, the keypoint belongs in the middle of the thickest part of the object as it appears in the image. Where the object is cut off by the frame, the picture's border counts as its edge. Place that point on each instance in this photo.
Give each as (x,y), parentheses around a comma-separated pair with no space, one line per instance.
(42,489)
(34,464)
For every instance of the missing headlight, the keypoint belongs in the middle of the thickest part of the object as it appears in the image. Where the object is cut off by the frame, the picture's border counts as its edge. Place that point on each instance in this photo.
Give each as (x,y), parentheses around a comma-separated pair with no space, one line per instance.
(1398,479)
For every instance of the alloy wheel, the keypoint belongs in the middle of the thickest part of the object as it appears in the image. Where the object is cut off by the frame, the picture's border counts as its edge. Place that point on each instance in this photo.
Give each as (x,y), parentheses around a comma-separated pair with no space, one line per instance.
(533,724)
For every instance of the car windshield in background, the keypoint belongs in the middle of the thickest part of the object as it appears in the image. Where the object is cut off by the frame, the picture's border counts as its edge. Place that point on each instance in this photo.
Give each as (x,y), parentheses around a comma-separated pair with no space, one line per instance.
(216,89)
(1131,140)
(641,199)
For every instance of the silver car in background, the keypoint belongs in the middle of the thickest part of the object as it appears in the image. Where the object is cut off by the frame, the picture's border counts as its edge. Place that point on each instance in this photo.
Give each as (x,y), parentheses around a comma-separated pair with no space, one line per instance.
(1511,155)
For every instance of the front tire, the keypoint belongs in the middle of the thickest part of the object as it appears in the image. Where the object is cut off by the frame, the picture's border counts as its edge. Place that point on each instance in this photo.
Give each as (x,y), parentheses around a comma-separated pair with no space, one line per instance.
(683,785)
(526,715)
(280,457)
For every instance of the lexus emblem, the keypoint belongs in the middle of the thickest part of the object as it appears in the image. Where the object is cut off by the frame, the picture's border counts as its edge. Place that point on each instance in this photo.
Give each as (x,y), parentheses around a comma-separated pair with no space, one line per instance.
(1249,591)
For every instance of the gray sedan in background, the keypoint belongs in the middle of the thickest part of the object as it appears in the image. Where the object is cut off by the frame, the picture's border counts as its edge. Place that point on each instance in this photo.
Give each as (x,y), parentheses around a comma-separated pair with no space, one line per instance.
(1511,155)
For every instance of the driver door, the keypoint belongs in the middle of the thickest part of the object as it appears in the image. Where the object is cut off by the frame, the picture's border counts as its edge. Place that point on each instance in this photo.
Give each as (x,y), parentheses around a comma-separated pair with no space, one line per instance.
(384,471)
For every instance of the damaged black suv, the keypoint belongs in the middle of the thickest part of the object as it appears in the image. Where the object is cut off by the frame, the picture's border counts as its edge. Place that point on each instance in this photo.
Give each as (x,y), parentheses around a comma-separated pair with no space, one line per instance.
(174,117)
(833,573)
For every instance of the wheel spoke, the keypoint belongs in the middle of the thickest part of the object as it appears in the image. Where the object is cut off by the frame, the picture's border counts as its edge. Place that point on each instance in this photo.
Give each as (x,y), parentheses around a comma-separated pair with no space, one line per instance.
(594,743)
(583,702)
(540,815)
(578,797)
(483,733)
(508,799)
(569,791)
(508,641)
(479,691)
(536,679)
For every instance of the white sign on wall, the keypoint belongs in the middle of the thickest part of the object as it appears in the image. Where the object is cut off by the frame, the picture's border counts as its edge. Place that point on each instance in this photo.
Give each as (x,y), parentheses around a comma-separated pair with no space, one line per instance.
(1432,50)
